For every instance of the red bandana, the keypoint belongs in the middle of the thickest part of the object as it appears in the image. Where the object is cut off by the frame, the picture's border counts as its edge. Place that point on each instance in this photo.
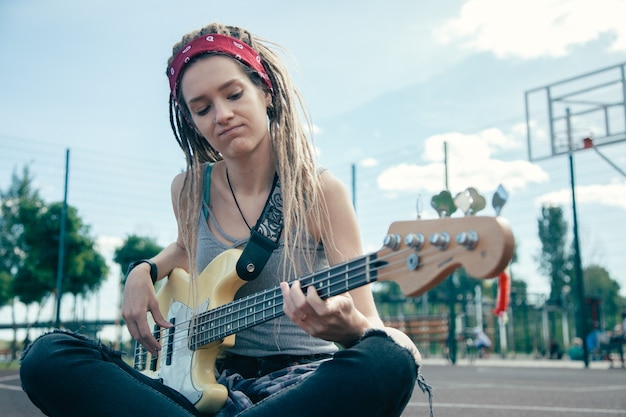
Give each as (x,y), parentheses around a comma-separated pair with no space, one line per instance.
(215,43)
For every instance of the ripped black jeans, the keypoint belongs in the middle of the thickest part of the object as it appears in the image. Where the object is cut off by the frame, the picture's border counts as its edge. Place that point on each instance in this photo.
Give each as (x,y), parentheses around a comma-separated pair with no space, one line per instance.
(66,374)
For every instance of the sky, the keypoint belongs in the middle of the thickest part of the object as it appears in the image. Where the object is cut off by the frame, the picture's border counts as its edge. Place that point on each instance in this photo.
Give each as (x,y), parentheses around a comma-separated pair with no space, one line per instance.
(386,84)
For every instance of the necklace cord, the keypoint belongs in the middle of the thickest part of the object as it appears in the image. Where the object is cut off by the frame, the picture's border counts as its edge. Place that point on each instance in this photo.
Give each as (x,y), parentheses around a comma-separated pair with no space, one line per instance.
(232,192)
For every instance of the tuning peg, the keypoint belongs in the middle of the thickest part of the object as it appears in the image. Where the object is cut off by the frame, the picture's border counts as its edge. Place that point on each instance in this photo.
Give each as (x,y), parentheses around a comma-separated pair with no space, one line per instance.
(463,201)
(443,204)
(470,201)
(499,199)
(478,201)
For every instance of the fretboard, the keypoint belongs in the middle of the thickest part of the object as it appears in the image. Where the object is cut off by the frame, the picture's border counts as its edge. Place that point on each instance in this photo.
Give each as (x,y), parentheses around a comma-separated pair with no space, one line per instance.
(249,311)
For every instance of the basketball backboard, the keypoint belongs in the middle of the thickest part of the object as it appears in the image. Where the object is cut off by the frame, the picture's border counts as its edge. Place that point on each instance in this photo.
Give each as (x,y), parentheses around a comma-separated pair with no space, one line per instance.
(596,104)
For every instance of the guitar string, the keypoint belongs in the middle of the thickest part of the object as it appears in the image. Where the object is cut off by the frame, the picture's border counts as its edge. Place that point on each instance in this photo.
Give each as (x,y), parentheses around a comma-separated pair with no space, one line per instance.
(234,307)
(272,294)
(274,306)
(231,309)
(262,299)
(184,339)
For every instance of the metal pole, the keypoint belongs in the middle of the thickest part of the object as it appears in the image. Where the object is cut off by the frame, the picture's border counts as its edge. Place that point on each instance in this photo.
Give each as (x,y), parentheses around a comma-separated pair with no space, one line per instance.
(551,118)
(452,320)
(545,328)
(502,333)
(62,243)
(528,135)
(451,287)
(578,270)
(564,314)
(478,300)
(623,79)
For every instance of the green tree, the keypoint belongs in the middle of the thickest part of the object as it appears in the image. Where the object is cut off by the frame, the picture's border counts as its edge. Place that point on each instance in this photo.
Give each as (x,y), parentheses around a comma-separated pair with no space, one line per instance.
(519,290)
(84,268)
(134,248)
(598,283)
(553,258)
(29,245)
(5,288)
(519,287)
(20,205)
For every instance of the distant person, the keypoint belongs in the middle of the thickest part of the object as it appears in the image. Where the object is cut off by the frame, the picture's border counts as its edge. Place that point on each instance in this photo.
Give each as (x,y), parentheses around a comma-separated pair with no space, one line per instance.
(482,342)
(616,345)
(576,350)
(595,339)
(604,343)
(555,350)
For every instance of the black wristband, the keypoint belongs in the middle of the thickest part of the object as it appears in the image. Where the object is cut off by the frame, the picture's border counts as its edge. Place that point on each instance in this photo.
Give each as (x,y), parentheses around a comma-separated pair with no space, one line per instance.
(154,272)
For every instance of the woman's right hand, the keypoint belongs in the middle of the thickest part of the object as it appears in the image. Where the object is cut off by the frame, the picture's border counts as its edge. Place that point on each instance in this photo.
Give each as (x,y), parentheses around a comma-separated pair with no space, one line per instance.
(139,299)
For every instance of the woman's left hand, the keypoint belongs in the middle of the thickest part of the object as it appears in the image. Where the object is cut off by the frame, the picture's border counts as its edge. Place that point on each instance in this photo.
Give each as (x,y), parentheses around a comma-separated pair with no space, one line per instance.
(335,319)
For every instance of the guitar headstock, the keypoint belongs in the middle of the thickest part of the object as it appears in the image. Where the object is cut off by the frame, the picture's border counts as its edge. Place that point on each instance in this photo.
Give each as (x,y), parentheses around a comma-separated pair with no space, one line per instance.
(419,254)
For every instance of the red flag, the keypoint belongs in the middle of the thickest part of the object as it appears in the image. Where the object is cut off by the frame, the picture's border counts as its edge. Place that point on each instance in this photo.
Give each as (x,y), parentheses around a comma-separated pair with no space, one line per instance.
(504,293)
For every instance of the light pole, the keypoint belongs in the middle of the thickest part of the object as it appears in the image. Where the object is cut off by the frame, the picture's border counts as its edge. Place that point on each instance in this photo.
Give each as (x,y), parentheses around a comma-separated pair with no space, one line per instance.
(564,318)
(578,270)
(60,262)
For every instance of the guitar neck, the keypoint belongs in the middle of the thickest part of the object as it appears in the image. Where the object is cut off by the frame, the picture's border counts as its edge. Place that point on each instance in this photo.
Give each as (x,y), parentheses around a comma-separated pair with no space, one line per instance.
(249,311)
(416,254)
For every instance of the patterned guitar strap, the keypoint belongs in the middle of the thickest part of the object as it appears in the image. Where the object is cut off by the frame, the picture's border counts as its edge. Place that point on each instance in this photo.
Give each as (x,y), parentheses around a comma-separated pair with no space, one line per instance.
(264,236)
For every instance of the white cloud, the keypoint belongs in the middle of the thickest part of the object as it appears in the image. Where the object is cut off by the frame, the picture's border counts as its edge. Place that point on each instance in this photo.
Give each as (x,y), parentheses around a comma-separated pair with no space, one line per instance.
(535,28)
(369,162)
(411,177)
(475,147)
(610,195)
(470,164)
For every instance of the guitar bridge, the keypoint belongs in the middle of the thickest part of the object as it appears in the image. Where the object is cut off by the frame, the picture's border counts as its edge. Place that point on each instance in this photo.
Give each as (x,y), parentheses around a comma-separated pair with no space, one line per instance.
(141,355)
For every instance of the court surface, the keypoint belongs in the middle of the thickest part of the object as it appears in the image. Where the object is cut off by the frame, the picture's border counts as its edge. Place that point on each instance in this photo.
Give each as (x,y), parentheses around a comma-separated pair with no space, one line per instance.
(489,387)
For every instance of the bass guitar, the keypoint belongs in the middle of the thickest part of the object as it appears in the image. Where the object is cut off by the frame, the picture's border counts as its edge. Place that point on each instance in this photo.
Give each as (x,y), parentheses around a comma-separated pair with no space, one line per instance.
(417,255)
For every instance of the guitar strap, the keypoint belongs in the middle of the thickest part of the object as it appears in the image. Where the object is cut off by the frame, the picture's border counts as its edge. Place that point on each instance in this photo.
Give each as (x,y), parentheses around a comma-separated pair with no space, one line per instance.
(264,235)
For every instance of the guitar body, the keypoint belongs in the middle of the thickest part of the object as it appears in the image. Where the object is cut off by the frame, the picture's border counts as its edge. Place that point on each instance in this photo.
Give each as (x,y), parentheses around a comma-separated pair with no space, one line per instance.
(192,373)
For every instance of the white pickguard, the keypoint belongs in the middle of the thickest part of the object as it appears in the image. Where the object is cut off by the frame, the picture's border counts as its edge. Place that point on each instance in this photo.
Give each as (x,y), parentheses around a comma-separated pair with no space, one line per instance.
(177,374)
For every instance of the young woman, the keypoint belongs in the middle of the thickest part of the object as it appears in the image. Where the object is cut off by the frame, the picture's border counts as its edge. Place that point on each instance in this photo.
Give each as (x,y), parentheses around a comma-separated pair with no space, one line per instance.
(236,115)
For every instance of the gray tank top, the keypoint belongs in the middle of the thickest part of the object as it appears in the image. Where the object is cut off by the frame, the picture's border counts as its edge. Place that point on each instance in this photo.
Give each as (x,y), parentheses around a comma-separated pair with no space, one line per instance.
(277,336)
